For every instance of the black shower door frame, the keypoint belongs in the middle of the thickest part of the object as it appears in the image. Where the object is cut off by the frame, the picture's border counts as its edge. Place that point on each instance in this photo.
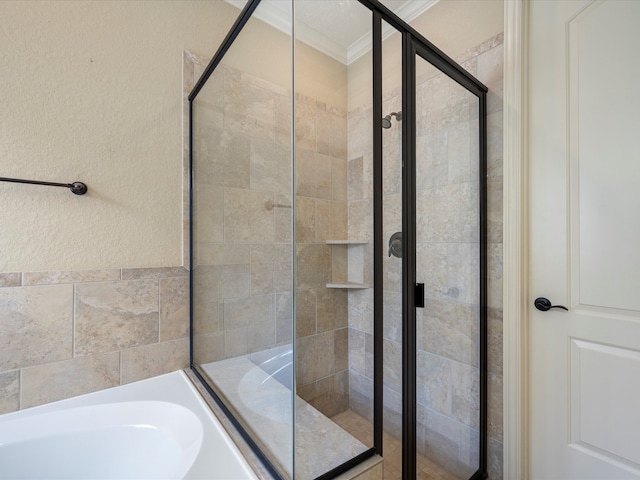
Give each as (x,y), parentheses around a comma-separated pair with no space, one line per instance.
(415,45)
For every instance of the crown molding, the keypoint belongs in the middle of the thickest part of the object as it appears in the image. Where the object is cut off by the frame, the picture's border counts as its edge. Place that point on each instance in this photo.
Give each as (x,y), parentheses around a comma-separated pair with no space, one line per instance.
(408,12)
(273,16)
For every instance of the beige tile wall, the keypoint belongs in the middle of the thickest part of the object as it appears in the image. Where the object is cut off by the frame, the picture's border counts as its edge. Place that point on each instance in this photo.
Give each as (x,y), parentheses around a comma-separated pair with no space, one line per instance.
(320,215)
(242,294)
(66,333)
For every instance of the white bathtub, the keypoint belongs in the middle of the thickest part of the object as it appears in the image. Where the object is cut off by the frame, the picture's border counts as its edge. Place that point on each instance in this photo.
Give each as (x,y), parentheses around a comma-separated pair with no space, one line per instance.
(154,429)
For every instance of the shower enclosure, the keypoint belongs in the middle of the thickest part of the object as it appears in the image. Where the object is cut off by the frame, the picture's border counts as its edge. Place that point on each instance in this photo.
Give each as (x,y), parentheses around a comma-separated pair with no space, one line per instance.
(338,242)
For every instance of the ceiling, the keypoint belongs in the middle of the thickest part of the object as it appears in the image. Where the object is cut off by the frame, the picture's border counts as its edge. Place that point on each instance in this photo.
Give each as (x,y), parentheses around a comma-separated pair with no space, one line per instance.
(338,28)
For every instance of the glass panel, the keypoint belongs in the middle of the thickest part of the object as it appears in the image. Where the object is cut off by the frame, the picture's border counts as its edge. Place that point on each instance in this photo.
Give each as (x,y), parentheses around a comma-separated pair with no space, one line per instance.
(447,262)
(333,235)
(392,189)
(242,245)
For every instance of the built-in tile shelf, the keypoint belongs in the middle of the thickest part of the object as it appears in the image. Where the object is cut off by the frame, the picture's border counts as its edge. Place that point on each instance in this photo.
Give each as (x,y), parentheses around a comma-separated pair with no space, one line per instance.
(347,285)
(347,268)
(346,242)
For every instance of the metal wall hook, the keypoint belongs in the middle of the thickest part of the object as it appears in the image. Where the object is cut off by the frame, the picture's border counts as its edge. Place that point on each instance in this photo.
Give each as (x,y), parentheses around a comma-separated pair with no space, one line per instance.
(544,304)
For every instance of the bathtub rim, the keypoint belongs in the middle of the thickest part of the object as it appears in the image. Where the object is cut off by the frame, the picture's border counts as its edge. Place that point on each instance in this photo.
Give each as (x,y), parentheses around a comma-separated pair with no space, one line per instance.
(175,387)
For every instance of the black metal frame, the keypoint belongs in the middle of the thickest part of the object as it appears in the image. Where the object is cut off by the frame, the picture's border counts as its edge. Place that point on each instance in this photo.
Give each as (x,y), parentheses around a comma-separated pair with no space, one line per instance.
(409,347)
(378,238)
(413,48)
(413,43)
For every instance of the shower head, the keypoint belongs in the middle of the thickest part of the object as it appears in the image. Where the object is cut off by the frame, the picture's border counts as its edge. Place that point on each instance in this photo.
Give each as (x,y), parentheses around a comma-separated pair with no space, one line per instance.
(386,121)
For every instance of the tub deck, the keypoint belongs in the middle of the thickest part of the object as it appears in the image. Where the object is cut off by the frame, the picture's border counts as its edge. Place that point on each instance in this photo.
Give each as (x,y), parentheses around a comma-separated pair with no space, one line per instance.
(217,459)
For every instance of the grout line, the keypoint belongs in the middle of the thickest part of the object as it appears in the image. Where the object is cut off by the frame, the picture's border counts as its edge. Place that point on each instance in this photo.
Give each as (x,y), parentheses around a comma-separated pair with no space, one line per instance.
(20,392)
(159,307)
(74,297)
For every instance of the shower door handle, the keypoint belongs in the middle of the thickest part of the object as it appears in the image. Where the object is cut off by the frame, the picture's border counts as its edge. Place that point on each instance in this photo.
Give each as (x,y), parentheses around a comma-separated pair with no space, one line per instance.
(419,295)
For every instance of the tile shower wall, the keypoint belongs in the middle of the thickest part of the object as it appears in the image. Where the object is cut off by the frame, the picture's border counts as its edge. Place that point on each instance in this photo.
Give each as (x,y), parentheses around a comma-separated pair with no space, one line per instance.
(242,211)
(67,333)
(447,426)
(320,215)
(243,208)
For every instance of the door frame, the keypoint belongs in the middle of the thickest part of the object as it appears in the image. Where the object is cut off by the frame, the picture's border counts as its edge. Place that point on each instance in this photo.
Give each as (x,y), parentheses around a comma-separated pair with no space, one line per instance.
(516,242)
(414,48)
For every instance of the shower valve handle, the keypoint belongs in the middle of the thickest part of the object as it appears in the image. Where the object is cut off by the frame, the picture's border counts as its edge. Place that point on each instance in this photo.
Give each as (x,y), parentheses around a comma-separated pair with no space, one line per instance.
(395,245)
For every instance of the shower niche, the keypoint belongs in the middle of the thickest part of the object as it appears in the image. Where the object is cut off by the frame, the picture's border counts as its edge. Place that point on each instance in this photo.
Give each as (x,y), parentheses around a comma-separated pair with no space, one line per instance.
(347,264)
(309,152)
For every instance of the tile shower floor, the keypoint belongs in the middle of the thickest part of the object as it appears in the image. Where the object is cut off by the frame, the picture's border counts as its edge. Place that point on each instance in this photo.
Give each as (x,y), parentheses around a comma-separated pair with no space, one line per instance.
(361,428)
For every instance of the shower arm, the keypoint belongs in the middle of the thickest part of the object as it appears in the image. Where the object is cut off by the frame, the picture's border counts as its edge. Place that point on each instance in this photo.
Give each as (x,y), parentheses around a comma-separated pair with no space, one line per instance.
(77,188)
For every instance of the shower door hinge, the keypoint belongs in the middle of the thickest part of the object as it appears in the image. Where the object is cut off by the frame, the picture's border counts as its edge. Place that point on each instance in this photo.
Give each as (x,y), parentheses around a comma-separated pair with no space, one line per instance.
(419,295)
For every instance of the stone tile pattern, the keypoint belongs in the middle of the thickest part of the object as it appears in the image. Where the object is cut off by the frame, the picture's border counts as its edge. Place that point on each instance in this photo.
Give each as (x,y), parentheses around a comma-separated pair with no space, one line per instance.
(320,215)
(447,263)
(243,251)
(67,333)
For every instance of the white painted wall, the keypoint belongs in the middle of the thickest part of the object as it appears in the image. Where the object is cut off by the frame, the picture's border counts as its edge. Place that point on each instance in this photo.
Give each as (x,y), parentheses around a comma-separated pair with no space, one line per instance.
(92,91)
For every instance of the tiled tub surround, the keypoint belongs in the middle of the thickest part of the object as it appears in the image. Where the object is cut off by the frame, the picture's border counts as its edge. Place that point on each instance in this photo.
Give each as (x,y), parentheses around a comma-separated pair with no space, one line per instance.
(242,210)
(447,345)
(67,333)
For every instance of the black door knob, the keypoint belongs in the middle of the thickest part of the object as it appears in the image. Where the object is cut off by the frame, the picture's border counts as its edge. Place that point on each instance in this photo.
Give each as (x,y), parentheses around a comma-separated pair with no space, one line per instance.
(544,304)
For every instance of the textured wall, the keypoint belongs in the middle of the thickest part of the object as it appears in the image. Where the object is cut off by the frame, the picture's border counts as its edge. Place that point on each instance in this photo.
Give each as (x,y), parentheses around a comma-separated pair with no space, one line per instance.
(91,91)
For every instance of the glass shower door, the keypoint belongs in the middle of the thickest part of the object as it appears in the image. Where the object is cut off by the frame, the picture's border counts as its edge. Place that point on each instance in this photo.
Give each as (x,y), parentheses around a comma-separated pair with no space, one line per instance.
(434,286)
(447,239)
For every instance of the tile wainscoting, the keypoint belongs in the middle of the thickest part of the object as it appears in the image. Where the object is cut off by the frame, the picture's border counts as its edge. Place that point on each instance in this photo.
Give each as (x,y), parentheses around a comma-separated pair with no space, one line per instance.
(66,333)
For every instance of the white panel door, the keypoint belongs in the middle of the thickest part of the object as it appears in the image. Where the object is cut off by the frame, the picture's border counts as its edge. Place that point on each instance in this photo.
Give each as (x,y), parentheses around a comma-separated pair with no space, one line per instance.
(584,121)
